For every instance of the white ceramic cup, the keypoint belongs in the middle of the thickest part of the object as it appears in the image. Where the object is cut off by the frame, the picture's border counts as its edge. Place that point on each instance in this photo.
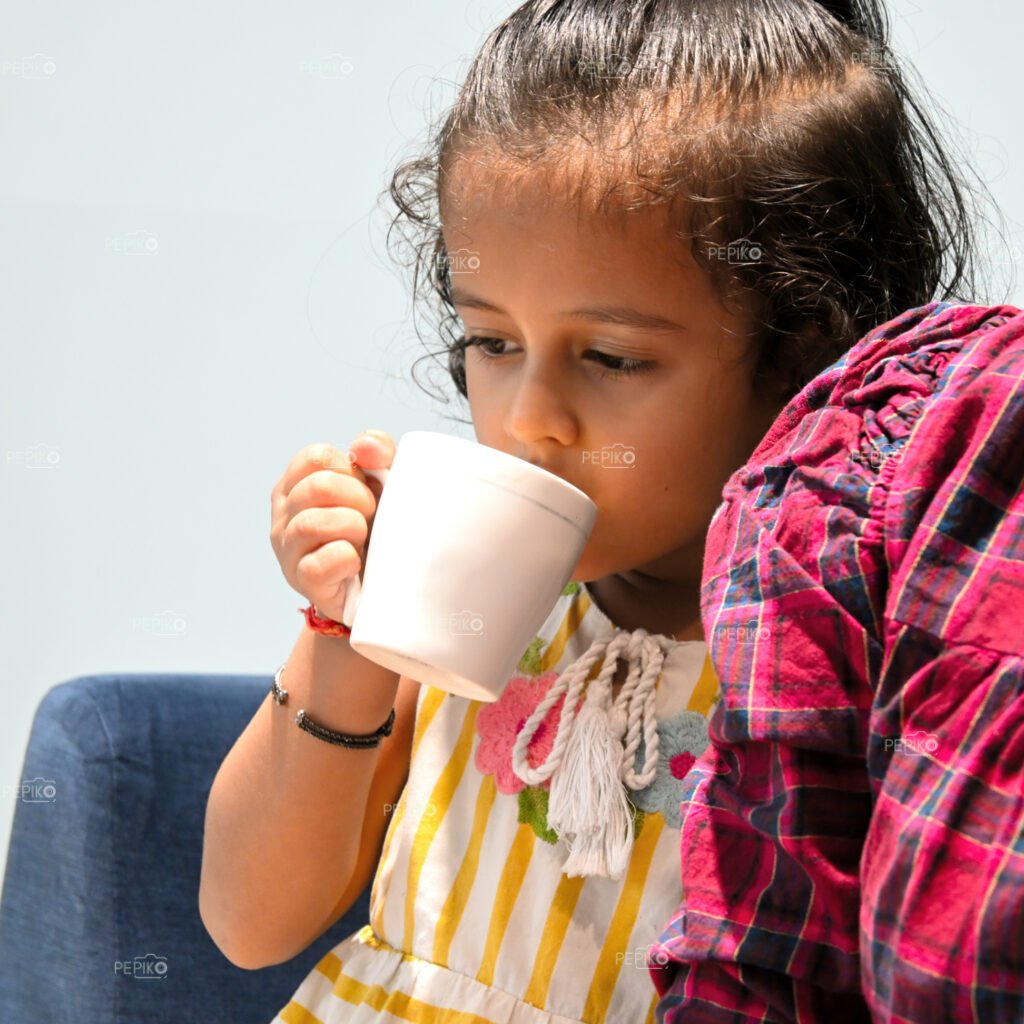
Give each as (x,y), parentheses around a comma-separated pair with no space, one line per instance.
(470,549)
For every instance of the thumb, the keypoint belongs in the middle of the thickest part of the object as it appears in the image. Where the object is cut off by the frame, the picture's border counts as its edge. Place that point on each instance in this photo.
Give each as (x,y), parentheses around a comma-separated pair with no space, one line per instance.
(372,449)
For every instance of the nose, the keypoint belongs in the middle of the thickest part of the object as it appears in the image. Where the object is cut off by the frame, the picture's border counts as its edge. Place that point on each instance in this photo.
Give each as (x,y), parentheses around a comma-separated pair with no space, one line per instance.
(538,413)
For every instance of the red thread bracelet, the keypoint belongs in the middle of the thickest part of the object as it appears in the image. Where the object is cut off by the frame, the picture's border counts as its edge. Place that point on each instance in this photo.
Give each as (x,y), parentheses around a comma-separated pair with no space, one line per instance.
(326,627)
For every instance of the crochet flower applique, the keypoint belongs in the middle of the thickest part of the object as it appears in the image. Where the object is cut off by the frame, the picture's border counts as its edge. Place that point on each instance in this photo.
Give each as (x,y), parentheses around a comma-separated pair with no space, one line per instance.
(682,739)
(499,723)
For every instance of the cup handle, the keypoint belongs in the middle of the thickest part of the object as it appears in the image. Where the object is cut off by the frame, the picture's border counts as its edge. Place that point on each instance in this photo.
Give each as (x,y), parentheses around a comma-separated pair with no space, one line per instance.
(355,588)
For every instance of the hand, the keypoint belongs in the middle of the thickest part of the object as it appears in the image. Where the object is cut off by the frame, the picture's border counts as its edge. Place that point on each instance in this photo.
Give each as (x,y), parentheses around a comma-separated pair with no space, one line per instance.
(322,512)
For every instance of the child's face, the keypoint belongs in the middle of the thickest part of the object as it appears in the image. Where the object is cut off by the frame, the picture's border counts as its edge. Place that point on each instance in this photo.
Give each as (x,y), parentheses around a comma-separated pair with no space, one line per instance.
(653,449)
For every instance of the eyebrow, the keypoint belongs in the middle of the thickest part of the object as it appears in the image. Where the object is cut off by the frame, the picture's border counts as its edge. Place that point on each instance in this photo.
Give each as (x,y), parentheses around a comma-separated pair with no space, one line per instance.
(619,316)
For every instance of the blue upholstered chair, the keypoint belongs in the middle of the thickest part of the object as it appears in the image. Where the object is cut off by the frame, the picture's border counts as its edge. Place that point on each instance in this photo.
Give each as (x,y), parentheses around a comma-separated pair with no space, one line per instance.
(99,919)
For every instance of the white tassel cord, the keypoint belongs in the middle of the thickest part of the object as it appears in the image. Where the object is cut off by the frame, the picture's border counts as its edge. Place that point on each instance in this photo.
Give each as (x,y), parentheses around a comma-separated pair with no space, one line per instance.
(601,840)
(588,807)
(639,693)
(587,765)
(571,683)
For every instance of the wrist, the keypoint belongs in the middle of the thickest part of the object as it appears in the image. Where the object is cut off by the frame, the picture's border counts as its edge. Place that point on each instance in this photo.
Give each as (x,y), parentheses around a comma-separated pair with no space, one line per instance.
(338,658)
(323,625)
(336,685)
(366,738)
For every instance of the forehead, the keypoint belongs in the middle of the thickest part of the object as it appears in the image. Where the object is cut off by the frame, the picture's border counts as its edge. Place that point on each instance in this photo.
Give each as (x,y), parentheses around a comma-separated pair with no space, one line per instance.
(480,206)
(475,186)
(526,232)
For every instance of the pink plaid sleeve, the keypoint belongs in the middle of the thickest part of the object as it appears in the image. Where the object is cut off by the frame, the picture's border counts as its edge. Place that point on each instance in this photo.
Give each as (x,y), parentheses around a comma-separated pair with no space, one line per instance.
(851,841)
(942,912)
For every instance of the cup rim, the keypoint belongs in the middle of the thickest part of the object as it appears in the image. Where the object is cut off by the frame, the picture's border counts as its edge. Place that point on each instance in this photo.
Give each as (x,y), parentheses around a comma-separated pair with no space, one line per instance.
(553,479)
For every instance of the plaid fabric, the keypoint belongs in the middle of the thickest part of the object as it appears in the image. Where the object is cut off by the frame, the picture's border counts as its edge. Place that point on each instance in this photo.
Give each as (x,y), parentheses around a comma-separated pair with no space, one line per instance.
(852,844)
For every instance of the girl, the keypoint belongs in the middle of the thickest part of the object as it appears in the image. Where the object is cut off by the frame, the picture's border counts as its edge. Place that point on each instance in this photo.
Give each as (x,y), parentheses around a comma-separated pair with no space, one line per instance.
(649,227)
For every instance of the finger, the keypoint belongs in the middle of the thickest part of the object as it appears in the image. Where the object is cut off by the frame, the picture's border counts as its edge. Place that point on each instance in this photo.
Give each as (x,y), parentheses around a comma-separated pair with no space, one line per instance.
(373,449)
(312,459)
(321,572)
(314,527)
(326,489)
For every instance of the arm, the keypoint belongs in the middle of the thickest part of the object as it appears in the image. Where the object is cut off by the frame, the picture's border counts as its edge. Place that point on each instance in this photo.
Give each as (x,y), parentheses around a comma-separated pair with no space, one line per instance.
(808,542)
(280,854)
(942,917)
(389,781)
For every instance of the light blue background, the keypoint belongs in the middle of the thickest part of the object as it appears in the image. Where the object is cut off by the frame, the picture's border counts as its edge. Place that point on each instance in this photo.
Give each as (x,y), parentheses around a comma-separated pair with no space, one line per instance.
(173,387)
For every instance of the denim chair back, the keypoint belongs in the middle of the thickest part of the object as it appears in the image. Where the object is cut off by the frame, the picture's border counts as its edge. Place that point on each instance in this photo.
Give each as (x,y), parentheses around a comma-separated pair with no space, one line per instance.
(99,918)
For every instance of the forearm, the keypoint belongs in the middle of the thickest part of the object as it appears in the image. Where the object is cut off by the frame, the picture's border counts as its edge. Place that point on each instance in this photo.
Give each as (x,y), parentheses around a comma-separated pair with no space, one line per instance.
(284,815)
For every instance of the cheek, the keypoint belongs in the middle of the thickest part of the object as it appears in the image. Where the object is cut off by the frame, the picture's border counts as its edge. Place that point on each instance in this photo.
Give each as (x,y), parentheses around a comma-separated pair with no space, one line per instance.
(666,495)
(486,386)
(633,497)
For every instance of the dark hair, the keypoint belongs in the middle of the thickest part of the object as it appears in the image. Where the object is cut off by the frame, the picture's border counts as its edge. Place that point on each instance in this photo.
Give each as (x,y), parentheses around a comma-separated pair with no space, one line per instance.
(785,126)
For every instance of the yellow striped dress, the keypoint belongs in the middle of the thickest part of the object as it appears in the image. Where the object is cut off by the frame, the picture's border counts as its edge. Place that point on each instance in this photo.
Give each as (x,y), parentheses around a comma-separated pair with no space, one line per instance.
(472,920)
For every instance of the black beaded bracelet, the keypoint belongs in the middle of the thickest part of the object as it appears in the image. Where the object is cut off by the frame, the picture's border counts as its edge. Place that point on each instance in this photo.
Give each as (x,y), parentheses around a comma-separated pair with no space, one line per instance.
(321,732)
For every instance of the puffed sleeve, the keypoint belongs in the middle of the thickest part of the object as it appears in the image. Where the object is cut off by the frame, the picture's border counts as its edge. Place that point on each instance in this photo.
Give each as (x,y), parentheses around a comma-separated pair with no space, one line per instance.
(785,816)
(942,875)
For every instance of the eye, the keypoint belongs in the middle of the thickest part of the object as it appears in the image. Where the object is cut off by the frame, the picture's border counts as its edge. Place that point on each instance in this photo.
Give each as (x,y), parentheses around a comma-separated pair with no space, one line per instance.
(613,366)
